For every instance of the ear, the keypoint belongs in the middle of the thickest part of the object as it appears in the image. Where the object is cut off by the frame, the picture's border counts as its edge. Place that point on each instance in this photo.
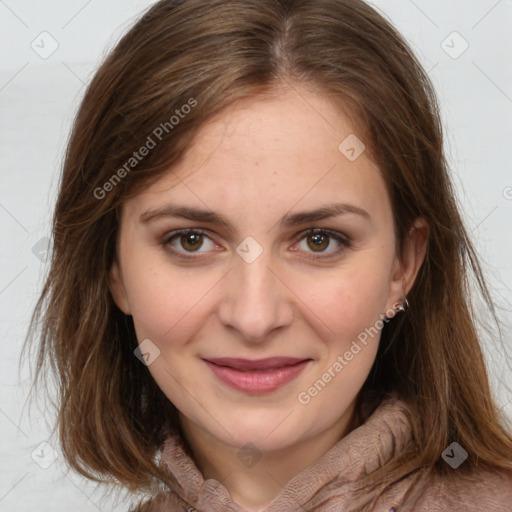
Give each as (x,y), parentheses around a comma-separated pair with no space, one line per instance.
(413,254)
(117,288)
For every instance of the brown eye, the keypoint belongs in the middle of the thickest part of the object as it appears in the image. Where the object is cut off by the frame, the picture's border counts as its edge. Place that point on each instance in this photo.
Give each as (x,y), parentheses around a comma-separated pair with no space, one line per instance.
(324,243)
(187,241)
(318,242)
(191,241)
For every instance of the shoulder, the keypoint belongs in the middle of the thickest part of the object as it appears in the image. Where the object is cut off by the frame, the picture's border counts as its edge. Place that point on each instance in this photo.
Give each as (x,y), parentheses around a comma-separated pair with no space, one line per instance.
(483,490)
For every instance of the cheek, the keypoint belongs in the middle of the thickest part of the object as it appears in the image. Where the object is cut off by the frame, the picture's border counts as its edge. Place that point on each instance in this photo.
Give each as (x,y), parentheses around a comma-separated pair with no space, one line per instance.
(348,301)
(163,302)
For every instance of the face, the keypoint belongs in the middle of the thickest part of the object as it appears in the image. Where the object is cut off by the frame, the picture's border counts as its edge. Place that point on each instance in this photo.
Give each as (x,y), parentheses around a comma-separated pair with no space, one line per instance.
(254,280)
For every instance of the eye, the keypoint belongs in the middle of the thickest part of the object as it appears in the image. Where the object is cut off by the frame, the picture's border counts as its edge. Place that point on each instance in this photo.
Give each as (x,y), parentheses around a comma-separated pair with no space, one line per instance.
(188,241)
(318,240)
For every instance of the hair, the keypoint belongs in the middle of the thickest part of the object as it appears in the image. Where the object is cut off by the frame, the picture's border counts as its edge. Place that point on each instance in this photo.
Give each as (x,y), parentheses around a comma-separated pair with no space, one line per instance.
(209,55)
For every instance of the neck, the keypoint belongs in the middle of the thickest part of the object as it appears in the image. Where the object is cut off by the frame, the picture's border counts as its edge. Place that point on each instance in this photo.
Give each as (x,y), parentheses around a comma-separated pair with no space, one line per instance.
(254,479)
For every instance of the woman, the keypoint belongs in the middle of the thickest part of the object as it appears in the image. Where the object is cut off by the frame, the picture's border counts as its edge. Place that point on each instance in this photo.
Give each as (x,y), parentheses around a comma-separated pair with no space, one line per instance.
(258,297)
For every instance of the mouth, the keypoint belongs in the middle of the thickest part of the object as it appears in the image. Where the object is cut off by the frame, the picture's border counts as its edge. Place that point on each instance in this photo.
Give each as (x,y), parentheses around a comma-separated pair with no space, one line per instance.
(257,376)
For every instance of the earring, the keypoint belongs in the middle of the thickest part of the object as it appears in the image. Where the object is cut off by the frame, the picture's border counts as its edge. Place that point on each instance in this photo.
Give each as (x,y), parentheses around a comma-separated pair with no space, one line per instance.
(404,306)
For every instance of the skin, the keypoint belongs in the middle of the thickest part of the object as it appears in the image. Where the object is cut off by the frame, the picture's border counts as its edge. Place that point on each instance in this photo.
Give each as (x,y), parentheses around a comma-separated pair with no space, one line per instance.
(258,161)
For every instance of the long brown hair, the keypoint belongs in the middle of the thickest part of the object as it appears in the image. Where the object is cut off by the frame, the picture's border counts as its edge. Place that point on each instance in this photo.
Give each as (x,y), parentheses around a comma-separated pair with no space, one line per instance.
(112,417)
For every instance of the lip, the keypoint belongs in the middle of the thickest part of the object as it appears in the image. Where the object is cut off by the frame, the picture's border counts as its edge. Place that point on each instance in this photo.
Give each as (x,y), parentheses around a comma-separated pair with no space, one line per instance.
(257,376)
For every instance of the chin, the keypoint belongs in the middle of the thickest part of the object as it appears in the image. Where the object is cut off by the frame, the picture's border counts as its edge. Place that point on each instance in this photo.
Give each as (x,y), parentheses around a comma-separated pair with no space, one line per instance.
(267,434)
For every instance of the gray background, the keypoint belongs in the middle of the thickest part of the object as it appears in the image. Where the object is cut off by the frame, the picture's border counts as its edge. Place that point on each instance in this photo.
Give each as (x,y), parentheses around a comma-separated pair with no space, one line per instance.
(39,96)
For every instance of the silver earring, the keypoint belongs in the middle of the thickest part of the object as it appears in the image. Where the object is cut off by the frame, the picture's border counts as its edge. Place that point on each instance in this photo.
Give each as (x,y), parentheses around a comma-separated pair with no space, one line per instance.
(404,306)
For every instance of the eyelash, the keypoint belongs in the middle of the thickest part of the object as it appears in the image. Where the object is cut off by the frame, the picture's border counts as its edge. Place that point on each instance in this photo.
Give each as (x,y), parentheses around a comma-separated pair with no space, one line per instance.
(344,242)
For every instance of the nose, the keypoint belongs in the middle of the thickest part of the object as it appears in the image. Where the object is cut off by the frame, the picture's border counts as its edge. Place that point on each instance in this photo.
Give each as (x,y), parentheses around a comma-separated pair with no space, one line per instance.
(255,301)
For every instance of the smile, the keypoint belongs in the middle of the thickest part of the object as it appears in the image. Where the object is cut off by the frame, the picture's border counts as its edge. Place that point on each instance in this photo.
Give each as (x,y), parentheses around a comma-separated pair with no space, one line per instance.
(261,376)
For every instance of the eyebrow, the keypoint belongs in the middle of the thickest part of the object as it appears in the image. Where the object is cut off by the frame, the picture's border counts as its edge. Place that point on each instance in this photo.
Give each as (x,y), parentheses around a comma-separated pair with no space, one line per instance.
(289,220)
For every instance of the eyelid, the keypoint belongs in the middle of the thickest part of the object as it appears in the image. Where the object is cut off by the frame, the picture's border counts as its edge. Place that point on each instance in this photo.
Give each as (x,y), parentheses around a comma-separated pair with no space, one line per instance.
(323,231)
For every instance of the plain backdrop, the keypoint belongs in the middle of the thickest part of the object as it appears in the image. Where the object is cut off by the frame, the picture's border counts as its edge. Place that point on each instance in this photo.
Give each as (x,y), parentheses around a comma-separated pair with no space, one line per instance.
(39,95)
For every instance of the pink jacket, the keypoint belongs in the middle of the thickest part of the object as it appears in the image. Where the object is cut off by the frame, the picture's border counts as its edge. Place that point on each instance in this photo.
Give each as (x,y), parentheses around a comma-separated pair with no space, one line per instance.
(328,484)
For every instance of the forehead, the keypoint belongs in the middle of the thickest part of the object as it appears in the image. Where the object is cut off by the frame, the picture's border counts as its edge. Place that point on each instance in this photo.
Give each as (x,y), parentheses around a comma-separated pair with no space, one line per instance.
(286,124)
(279,150)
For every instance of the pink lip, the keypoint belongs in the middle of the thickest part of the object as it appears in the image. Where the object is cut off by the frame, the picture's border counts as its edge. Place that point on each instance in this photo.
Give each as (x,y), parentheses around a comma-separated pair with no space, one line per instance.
(259,376)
